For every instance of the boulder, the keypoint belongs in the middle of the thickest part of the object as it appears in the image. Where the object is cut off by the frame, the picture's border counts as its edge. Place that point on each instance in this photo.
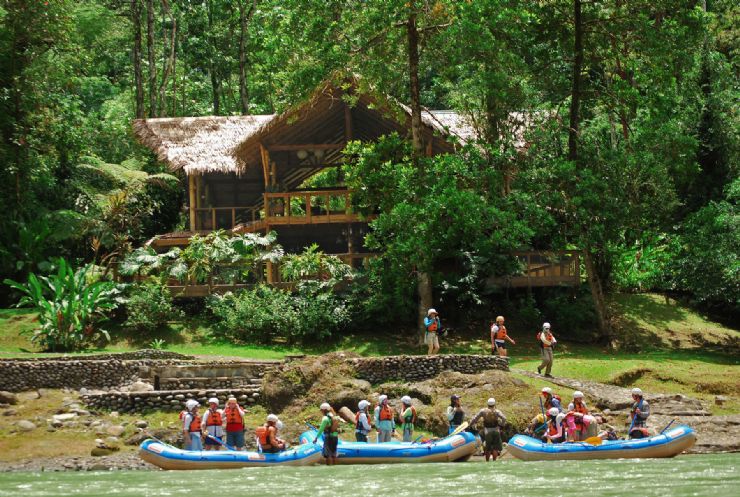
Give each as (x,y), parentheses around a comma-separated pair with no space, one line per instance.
(101,451)
(8,397)
(26,425)
(115,430)
(64,417)
(141,424)
(10,412)
(32,395)
(140,386)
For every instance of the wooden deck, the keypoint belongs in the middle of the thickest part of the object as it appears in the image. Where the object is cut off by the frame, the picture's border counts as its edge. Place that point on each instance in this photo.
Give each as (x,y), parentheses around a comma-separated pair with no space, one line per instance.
(542,269)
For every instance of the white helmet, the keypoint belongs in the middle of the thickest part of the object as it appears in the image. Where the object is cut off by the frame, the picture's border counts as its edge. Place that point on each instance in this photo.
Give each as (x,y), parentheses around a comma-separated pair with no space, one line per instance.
(406,400)
(325,407)
(279,425)
(271,418)
(363,404)
(637,391)
(432,311)
(213,400)
(190,404)
(554,411)
(491,402)
(382,398)
(547,390)
(577,394)
(546,326)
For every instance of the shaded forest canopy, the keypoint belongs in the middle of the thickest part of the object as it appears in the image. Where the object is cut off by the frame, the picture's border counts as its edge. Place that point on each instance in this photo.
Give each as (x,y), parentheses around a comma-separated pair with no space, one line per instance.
(632,158)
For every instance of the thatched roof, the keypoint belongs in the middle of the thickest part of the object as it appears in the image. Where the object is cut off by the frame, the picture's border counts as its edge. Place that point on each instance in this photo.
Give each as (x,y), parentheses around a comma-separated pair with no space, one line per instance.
(198,144)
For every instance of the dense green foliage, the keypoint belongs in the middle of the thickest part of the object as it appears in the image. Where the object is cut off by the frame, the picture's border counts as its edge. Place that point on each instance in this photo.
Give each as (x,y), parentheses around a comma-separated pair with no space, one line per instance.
(149,306)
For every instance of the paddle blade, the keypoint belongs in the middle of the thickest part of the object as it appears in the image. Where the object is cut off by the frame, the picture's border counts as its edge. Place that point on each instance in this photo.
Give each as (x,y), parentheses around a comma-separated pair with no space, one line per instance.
(594,441)
(459,429)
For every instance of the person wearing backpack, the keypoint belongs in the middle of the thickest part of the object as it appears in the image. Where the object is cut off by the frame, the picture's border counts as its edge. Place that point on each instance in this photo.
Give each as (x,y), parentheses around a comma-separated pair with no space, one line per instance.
(546,342)
(362,422)
(408,418)
(329,428)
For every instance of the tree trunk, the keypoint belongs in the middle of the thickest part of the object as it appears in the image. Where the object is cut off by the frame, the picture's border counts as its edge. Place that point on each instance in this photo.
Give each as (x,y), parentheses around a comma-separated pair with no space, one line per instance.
(168,61)
(244,17)
(215,82)
(575,97)
(597,294)
(152,62)
(138,80)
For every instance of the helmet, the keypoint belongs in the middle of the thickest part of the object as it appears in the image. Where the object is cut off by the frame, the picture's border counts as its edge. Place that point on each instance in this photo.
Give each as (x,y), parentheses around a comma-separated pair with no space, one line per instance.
(637,391)
(499,318)
(491,402)
(271,418)
(547,390)
(190,404)
(554,411)
(406,400)
(231,399)
(325,407)
(382,398)
(213,400)
(546,326)
(577,394)
(279,425)
(362,405)
(432,311)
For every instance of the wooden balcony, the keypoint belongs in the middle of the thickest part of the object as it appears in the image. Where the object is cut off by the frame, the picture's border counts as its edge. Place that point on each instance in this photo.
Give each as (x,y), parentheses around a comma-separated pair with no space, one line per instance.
(538,269)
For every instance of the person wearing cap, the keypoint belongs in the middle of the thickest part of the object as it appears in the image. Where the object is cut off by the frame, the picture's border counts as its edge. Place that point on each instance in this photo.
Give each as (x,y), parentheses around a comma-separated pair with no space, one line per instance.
(455,413)
(213,425)
(547,342)
(554,433)
(234,416)
(385,422)
(493,420)
(433,326)
(267,435)
(362,422)
(639,414)
(408,418)
(577,418)
(329,428)
(548,401)
(499,337)
(191,424)
(551,399)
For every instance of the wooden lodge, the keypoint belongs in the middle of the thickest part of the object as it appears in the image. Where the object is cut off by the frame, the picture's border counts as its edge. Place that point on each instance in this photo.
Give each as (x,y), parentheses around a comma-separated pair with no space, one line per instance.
(248,173)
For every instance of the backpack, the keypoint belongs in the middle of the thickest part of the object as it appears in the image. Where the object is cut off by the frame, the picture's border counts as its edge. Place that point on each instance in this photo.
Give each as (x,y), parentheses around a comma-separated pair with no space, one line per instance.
(539,339)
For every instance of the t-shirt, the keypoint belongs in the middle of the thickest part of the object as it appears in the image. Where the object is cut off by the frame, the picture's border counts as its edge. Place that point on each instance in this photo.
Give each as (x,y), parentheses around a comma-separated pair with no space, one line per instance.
(495,332)
(215,430)
(408,412)
(363,423)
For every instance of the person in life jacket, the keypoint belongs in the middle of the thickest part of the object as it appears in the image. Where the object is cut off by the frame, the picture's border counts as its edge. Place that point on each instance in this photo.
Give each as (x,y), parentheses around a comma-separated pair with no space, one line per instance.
(577,418)
(408,418)
(493,420)
(267,435)
(362,421)
(551,399)
(455,413)
(191,426)
(499,337)
(329,428)
(213,425)
(234,417)
(639,413)
(385,422)
(547,342)
(433,327)
(548,400)
(554,433)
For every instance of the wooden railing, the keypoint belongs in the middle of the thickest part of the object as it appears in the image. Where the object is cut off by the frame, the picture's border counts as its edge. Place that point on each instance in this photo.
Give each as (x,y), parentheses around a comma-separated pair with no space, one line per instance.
(309,207)
(215,218)
(539,269)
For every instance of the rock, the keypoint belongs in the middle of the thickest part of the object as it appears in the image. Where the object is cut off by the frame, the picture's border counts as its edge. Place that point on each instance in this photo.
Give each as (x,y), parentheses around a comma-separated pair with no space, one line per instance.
(114,414)
(8,397)
(112,442)
(115,430)
(32,395)
(25,425)
(99,467)
(140,386)
(64,417)
(81,412)
(10,412)
(56,424)
(720,400)
(141,424)
(101,451)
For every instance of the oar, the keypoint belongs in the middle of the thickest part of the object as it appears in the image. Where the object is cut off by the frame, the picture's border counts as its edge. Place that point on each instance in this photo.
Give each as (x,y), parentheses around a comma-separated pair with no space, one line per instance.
(634,418)
(223,444)
(667,426)
(459,429)
(158,440)
(594,440)
(543,425)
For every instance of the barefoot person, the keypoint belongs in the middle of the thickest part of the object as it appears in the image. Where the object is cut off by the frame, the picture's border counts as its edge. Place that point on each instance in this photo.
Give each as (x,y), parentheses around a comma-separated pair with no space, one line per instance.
(493,420)
(433,327)
(499,336)
(547,342)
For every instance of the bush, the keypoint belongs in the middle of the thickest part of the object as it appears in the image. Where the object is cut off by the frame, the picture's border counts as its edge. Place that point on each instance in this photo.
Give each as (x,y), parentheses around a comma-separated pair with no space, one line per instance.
(150,307)
(265,314)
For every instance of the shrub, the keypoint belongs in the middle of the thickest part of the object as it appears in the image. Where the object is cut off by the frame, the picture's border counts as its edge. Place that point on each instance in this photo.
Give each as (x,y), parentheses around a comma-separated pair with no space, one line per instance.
(70,307)
(149,307)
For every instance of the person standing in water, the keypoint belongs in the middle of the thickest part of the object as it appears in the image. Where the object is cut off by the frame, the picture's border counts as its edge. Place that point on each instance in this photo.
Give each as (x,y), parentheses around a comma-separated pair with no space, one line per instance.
(329,428)
(499,337)
(639,414)
(493,420)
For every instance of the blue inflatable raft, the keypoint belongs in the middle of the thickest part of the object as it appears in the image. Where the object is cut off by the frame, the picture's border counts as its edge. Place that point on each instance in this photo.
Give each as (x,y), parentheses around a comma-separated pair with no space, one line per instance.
(451,448)
(668,444)
(168,457)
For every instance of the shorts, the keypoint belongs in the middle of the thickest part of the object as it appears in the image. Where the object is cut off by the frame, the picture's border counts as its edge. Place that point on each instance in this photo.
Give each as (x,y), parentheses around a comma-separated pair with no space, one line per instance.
(235,438)
(360,437)
(500,344)
(407,434)
(195,442)
(211,442)
(492,439)
(431,339)
(330,446)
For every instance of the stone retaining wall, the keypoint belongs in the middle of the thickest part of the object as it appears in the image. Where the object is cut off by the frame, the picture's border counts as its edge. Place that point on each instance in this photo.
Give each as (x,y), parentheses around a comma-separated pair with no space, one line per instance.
(120,356)
(418,368)
(165,400)
(219,382)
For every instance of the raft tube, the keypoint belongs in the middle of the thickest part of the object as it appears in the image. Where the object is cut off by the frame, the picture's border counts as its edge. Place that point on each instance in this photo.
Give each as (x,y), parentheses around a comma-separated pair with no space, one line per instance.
(168,457)
(668,444)
(448,449)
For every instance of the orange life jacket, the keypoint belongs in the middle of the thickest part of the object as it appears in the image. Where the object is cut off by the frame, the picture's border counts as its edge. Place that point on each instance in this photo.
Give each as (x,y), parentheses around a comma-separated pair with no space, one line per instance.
(552,428)
(214,418)
(501,333)
(194,424)
(263,435)
(433,325)
(233,417)
(358,426)
(386,413)
(548,337)
(580,408)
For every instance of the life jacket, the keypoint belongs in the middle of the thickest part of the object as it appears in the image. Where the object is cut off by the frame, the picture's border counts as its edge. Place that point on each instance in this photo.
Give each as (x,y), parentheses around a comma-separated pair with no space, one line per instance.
(194,422)
(410,418)
(433,325)
(548,337)
(552,427)
(386,413)
(358,426)
(214,418)
(490,419)
(580,408)
(500,333)
(548,402)
(233,417)
(457,418)
(333,427)
(263,435)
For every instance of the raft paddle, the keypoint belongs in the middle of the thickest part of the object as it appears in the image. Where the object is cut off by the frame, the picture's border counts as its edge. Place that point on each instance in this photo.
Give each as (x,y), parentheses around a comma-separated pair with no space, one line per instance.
(594,440)
(459,429)
(223,444)
(667,426)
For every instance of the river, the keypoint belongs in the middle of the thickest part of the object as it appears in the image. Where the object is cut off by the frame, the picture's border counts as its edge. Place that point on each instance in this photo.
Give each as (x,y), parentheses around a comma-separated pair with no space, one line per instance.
(713,475)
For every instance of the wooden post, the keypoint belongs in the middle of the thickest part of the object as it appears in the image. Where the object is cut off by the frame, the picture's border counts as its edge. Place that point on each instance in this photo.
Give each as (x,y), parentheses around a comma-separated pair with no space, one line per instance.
(308,208)
(430,143)
(192,194)
(213,219)
(348,130)
(269,270)
(265,155)
(273,173)
(233,217)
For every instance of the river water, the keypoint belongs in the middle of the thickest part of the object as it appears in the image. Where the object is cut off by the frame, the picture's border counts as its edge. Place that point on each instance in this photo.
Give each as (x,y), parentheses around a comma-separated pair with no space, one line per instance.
(714,475)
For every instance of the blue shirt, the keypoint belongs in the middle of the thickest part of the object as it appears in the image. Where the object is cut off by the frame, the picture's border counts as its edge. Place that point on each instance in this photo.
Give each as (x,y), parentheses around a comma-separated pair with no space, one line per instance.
(428,321)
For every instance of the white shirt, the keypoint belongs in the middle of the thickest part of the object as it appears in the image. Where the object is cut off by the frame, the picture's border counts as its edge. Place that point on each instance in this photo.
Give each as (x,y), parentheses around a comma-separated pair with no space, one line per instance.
(214,431)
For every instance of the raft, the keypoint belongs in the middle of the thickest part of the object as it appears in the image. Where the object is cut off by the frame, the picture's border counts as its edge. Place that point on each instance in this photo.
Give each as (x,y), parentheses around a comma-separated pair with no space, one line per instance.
(668,444)
(448,449)
(168,457)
